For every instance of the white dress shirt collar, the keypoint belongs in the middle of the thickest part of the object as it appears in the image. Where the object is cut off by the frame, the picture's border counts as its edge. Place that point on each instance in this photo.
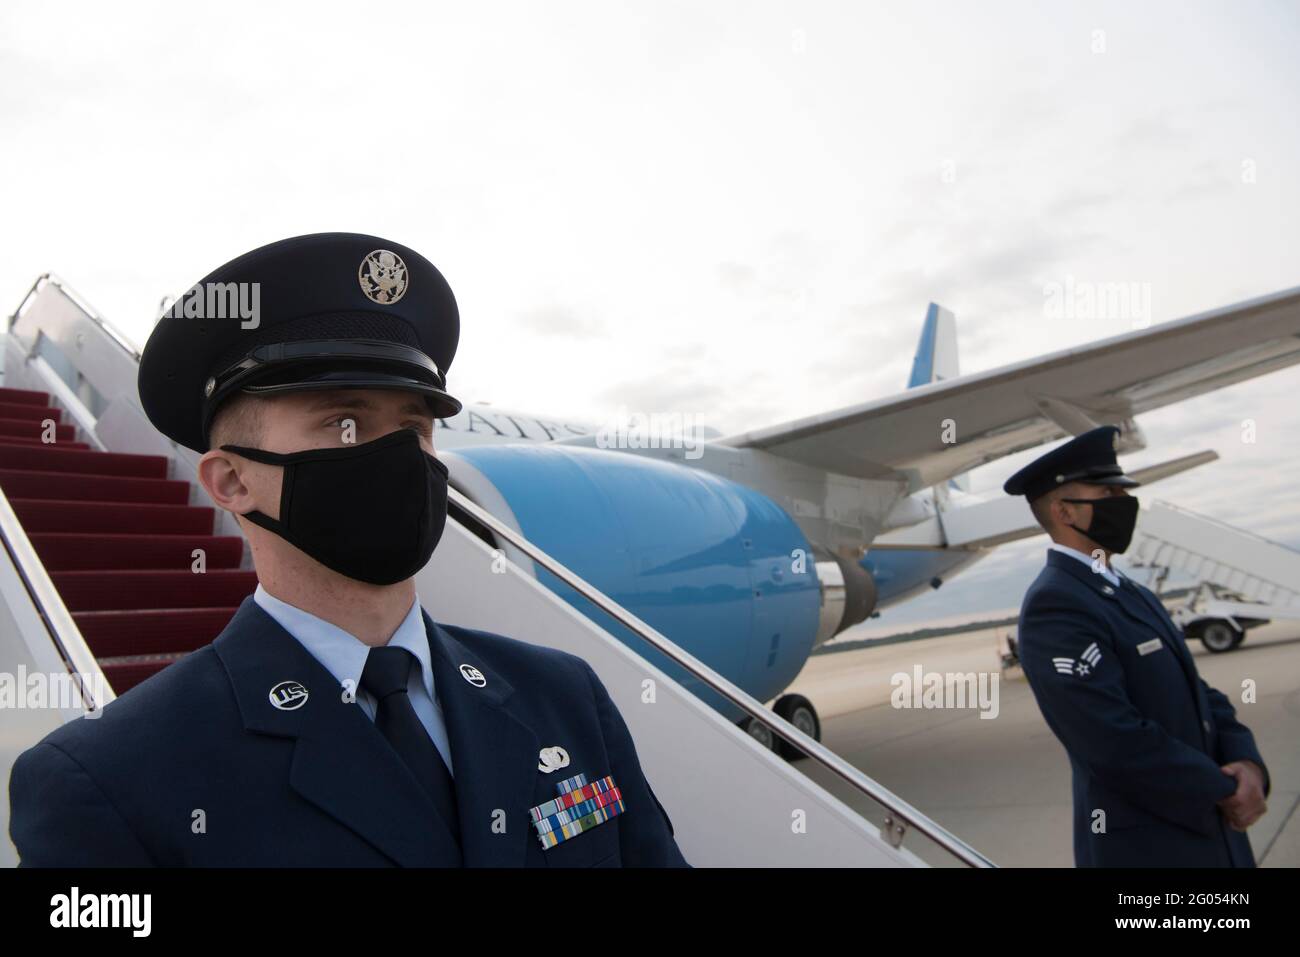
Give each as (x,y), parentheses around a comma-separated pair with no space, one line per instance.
(1110,574)
(343,654)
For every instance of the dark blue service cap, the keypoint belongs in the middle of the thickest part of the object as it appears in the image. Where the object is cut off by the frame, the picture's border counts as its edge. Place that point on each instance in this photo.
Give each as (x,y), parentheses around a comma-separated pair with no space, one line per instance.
(1089,458)
(325,311)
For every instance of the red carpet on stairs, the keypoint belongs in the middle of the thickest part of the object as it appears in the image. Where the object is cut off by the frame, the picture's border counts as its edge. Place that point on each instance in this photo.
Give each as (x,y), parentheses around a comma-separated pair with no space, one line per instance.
(117,538)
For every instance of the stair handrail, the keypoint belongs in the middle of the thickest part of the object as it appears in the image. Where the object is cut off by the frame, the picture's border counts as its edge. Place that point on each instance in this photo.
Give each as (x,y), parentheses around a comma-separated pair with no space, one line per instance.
(1219,523)
(49,278)
(63,630)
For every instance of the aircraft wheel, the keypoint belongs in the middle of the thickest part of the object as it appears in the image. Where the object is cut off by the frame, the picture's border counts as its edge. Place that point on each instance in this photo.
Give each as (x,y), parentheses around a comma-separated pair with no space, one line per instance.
(761,733)
(799,711)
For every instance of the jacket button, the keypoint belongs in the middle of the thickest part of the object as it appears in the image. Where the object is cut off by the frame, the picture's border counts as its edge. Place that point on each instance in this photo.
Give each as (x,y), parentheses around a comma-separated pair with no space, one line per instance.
(1207,726)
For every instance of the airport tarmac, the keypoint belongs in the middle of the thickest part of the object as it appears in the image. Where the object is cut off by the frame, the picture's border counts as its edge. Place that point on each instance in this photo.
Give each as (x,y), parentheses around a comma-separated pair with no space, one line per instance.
(1002,784)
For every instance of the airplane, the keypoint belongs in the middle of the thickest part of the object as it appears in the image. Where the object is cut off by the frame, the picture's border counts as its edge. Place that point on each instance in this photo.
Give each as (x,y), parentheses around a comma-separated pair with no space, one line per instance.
(751,550)
(748,550)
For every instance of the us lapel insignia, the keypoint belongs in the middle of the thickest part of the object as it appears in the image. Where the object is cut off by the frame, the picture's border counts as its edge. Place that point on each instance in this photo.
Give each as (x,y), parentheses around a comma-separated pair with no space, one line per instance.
(579,807)
(288,696)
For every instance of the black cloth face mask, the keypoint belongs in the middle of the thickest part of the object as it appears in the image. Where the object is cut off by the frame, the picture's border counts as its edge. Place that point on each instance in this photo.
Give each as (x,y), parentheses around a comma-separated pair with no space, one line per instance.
(373,512)
(1113,521)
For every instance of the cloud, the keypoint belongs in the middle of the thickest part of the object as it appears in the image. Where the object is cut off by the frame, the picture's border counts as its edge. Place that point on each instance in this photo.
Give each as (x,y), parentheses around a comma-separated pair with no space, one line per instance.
(561,321)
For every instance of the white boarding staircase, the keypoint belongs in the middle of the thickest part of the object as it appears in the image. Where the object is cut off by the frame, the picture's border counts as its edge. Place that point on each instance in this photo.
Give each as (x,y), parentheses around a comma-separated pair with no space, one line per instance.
(1254,568)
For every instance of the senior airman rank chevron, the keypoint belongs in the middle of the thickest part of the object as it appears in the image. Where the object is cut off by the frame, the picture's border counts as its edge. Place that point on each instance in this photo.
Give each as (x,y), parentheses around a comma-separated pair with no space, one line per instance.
(1085,666)
(580,807)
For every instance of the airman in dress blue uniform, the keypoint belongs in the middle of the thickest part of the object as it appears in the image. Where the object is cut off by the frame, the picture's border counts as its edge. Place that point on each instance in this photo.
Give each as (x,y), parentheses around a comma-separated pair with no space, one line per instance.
(1164,774)
(334,722)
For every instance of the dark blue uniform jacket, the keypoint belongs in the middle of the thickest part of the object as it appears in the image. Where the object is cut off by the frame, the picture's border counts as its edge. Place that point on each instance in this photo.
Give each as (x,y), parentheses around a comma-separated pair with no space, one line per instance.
(195,767)
(1146,736)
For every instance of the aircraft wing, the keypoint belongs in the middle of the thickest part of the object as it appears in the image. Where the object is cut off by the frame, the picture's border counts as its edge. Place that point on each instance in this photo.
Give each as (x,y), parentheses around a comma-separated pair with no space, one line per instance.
(1023,405)
(1004,518)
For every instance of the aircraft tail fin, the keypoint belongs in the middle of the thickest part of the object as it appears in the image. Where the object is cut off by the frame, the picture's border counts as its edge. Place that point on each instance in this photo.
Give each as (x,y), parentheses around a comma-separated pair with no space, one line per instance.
(936,360)
(936,353)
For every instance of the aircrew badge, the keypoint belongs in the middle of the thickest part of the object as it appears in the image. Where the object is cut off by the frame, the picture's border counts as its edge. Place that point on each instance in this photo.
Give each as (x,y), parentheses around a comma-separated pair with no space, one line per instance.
(579,807)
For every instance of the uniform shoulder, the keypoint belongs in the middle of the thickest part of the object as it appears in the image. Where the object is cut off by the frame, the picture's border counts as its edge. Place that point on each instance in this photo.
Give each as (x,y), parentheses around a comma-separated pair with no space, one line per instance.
(175,705)
(507,654)
(1053,586)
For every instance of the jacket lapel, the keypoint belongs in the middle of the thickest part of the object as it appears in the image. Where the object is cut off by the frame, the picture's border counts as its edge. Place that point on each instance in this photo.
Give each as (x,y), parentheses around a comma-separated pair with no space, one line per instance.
(339,756)
(494,753)
(1077,569)
(1126,600)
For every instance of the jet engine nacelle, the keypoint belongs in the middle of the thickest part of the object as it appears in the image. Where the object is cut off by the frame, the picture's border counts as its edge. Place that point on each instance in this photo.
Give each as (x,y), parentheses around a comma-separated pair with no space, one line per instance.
(717,567)
(849,596)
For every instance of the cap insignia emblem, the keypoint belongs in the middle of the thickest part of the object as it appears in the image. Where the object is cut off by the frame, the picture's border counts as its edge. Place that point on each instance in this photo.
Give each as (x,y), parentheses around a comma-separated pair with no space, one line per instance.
(383,277)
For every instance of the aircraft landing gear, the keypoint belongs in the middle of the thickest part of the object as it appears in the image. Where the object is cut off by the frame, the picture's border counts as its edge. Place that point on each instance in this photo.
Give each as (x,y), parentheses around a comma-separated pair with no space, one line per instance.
(796,709)
(799,711)
(760,733)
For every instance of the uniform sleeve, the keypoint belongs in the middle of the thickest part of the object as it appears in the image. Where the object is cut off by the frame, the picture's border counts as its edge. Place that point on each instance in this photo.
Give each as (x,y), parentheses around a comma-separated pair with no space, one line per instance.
(59,817)
(1099,725)
(645,832)
(1236,743)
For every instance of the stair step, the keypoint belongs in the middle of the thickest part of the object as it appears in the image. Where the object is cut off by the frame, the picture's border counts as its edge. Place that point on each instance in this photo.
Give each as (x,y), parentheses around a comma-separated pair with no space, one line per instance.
(152,589)
(24,396)
(154,631)
(52,515)
(17,440)
(117,537)
(33,429)
(78,551)
(26,410)
(50,458)
(31,483)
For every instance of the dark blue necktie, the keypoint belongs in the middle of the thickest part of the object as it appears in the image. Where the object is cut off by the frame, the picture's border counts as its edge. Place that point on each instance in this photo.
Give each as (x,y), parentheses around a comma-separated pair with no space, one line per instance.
(385,676)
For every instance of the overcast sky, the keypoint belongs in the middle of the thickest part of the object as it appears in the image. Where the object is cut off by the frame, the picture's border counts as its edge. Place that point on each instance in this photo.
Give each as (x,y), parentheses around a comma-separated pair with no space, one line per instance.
(734,210)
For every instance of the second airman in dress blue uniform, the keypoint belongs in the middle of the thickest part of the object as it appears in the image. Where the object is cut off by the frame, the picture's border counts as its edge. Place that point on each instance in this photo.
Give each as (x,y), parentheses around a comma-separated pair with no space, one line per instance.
(1164,773)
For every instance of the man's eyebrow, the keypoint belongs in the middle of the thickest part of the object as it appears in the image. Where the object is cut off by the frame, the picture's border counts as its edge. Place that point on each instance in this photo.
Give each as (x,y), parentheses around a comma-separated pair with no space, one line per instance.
(332,401)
